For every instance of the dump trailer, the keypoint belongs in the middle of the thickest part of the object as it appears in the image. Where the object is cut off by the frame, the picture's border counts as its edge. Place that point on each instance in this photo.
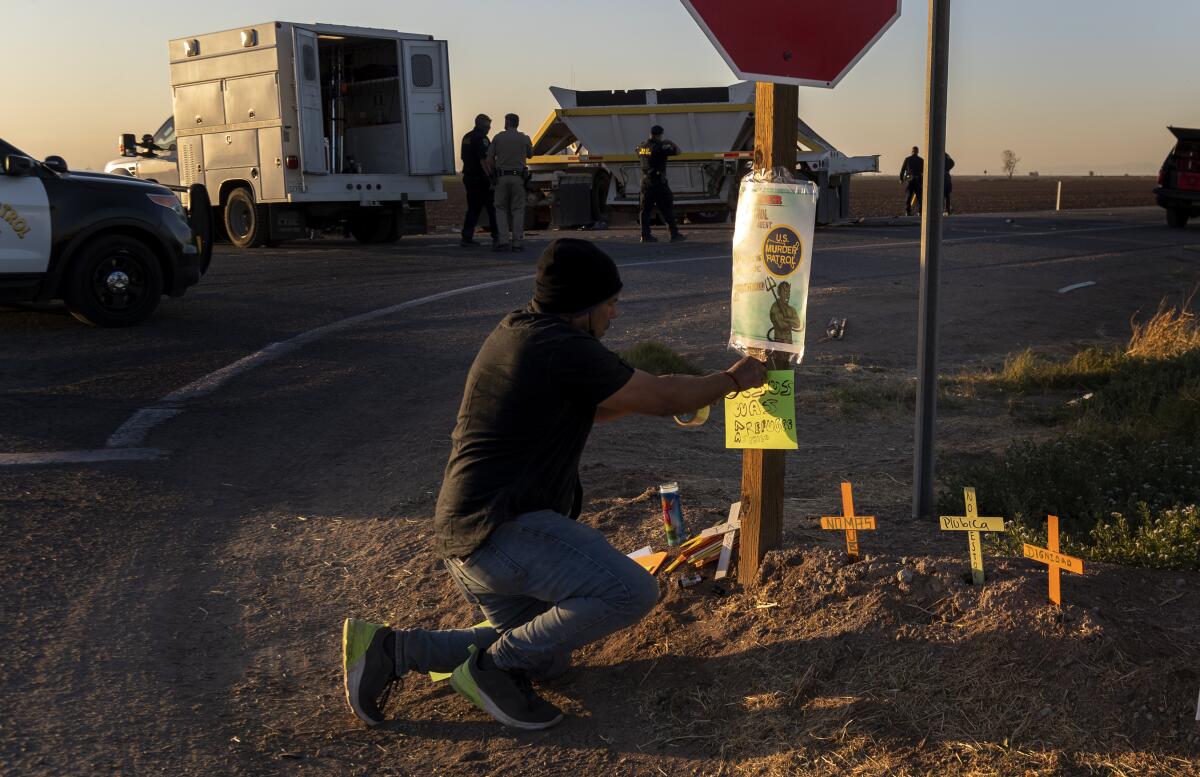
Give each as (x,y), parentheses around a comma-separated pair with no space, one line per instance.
(292,127)
(585,165)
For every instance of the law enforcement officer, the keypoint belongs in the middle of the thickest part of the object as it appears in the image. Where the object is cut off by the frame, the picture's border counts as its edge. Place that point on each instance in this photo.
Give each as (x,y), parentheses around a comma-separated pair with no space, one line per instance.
(506,158)
(913,172)
(476,180)
(656,192)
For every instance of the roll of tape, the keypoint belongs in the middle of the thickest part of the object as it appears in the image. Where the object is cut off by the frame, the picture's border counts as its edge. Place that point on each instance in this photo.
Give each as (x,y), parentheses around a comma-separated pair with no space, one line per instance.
(697,418)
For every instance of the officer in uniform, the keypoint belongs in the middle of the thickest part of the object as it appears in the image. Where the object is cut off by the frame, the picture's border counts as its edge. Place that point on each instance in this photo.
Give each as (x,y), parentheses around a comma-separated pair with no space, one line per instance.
(506,158)
(656,192)
(476,180)
(913,172)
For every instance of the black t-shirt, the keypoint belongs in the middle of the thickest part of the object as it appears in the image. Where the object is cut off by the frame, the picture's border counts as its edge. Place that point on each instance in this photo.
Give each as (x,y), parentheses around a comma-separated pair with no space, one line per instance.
(653,155)
(474,150)
(526,413)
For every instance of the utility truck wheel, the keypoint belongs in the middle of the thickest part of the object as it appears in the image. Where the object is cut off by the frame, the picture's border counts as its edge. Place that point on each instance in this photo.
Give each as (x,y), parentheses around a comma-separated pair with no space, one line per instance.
(378,227)
(245,221)
(116,281)
(1177,218)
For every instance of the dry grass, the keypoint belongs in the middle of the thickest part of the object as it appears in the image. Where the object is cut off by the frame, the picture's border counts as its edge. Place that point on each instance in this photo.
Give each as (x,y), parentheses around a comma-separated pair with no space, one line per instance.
(1170,332)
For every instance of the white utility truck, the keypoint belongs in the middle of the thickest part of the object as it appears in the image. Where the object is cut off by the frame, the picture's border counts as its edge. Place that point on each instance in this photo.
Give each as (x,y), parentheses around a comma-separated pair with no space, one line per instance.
(585,163)
(292,127)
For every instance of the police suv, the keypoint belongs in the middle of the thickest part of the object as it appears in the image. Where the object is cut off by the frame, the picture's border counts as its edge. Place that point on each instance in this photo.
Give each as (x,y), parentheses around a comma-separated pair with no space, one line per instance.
(108,246)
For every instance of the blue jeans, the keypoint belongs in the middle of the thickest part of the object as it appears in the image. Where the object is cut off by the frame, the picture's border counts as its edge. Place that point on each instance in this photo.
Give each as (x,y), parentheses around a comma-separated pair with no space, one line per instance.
(548,585)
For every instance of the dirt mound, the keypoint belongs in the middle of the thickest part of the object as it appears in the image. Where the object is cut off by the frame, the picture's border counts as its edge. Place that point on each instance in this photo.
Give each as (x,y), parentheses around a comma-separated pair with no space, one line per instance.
(891,665)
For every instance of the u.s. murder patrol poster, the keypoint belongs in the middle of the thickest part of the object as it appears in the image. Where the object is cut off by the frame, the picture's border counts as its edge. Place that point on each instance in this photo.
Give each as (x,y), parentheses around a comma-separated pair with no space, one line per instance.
(772,256)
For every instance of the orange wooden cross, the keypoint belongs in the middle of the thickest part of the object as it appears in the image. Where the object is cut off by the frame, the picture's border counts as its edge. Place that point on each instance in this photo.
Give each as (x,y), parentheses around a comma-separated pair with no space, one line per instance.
(849,522)
(1053,559)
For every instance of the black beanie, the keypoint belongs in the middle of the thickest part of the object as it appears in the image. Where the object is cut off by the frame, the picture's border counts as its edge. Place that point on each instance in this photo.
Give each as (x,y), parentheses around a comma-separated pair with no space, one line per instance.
(573,276)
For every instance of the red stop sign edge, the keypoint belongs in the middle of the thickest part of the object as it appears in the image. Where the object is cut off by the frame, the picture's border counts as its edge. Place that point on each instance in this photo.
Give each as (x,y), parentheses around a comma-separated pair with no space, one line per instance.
(742,74)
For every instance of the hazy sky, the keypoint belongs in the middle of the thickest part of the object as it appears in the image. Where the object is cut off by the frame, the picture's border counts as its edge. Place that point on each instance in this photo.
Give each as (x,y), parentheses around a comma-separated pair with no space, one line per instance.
(1070,85)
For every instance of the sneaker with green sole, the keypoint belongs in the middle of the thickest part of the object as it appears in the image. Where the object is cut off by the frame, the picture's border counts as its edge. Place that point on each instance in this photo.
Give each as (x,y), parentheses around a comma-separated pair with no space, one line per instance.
(369,673)
(506,696)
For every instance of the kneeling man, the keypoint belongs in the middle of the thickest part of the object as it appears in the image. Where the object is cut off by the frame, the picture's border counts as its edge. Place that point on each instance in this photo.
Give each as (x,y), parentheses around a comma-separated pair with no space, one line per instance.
(505,519)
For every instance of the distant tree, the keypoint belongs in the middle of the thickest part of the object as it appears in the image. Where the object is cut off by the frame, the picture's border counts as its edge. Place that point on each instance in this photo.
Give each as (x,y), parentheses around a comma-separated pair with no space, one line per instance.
(1009,161)
(1091,173)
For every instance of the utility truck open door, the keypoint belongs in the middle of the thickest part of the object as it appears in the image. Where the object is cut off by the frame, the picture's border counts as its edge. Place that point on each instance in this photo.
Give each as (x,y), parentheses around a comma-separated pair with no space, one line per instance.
(426,71)
(308,98)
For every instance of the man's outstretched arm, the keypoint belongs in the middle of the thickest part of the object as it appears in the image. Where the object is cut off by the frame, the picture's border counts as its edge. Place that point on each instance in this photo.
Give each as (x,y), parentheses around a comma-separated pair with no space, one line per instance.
(667,395)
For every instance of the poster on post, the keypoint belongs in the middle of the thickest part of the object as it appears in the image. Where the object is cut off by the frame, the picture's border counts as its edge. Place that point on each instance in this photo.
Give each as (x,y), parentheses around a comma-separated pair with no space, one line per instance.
(772,256)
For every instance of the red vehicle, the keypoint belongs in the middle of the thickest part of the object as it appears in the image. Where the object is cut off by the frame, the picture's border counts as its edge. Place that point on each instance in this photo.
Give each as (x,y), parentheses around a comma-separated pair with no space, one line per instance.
(1178,187)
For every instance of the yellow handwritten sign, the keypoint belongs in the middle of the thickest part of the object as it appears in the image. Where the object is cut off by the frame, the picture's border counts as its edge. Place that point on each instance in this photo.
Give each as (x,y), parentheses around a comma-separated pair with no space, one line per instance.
(842,523)
(849,522)
(1069,563)
(763,417)
(1051,557)
(972,523)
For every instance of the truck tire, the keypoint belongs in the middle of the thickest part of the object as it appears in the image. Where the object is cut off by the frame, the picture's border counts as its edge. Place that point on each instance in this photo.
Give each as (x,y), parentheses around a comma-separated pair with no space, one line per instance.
(375,227)
(246,222)
(1177,218)
(115,281)
(200,218)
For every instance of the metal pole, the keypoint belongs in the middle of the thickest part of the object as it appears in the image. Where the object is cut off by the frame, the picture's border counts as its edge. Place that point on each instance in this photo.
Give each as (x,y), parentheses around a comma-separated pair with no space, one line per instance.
(931,249)
(1058,199)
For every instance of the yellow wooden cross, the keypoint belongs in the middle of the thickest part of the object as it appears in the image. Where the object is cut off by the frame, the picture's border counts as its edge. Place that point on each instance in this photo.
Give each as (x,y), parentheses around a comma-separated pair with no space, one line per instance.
(849,522)
(1050,556)
(972,523)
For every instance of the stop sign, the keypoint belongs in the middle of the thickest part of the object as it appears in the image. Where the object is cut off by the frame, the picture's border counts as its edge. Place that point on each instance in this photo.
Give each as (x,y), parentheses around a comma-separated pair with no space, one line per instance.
(807,42)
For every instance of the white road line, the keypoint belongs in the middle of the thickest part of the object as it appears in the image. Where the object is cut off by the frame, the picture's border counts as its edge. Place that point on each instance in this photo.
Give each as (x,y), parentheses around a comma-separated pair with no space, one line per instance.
(79,457)
(134,431)
(1074,286)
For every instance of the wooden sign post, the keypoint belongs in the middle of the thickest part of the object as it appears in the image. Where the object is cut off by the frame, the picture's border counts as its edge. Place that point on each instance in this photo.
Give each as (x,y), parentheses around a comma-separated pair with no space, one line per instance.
(1053,559)
(776,125)
(972,523)
(849,522)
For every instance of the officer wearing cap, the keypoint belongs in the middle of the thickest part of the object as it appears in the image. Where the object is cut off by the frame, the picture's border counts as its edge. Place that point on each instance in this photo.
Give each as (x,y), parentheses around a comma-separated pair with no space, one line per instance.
(656,192)
(505,522)
(476,180)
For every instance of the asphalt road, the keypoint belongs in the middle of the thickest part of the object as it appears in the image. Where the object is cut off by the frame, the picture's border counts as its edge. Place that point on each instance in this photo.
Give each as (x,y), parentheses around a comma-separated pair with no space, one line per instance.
(70,387)
(105,563)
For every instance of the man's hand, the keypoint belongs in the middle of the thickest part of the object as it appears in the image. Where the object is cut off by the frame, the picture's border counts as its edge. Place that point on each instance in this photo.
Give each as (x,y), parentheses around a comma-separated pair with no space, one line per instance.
(748,373)
(667,395)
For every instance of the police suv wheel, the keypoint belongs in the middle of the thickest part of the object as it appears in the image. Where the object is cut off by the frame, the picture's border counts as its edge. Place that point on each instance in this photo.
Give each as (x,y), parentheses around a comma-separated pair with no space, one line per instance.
(115,281)
(245,221)
(1177,218)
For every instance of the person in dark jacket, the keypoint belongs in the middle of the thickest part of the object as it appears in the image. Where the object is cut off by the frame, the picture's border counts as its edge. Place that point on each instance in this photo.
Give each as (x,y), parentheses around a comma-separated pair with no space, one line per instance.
(476,180)
(913,174)
(656,192)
